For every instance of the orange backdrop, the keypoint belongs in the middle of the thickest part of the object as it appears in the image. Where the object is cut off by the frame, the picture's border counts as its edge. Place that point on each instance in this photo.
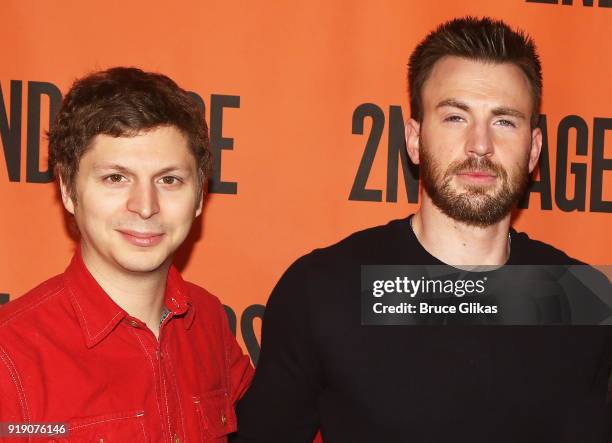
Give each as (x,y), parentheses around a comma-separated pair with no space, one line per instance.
(300,70)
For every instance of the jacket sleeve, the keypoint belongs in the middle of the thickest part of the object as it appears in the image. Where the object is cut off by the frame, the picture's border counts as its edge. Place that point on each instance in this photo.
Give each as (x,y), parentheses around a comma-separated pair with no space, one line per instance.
(13,407)
(240,370)
(281,404)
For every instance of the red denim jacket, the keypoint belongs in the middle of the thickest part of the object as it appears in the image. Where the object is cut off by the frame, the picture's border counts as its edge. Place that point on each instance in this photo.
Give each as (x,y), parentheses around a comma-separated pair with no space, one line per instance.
(69,354)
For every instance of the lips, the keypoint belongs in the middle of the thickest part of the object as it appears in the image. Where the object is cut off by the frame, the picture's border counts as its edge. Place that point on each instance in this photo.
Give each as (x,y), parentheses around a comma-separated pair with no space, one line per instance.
(143,239)
(477,175)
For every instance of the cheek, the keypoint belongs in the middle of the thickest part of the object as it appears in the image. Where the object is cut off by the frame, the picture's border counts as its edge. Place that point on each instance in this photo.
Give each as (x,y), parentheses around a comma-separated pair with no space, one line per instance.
(99,209)
(512,139)
(444,145)
(515,166)
(179,210)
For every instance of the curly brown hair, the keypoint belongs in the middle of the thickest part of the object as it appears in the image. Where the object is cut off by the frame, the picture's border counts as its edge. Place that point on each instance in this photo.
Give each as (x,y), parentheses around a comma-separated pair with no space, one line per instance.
(482,39)
(122,102)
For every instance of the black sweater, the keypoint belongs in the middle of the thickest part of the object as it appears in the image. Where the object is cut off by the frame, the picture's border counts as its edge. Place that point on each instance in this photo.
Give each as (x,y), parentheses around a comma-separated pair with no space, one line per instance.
(319,368)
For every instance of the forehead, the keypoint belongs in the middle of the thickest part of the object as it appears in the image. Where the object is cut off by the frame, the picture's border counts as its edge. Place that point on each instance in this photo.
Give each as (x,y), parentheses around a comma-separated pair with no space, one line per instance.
(157,147)
(497,84)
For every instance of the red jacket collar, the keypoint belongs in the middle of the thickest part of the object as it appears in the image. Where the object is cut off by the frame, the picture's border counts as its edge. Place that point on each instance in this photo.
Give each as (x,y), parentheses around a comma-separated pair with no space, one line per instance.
(98,314)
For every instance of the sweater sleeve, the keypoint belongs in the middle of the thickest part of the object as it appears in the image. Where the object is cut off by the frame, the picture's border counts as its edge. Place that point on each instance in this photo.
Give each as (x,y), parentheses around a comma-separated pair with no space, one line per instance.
(281,404)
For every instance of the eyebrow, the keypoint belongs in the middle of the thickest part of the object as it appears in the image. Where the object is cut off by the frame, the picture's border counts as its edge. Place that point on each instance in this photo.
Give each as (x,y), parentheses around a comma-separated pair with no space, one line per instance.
(500,110)
(124,170)
(454,104)
(111,166)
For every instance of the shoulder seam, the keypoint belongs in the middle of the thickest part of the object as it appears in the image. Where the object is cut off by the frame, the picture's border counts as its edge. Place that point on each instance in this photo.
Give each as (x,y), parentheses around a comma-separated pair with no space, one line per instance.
(25,309)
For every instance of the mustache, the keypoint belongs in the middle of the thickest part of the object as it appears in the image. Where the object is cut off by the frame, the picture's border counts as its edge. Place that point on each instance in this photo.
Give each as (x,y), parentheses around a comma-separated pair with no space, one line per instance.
(481,165)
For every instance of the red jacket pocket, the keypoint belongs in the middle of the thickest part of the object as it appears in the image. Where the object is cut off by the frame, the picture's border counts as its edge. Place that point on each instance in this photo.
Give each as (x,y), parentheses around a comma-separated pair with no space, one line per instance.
(216,415)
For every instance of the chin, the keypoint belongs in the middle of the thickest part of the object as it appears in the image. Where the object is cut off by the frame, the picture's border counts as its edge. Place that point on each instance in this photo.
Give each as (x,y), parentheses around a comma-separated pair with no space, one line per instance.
(140,263)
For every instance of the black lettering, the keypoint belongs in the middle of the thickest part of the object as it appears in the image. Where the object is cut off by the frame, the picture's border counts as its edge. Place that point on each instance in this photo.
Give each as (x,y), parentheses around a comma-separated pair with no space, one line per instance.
(602,3)
(359,191)
(11,132)
(397,149)
(579,170)
(571,2)
(541,186)
(35,91)
(599,165)
(4,298)
(231,318)
(219,143)
(248,332)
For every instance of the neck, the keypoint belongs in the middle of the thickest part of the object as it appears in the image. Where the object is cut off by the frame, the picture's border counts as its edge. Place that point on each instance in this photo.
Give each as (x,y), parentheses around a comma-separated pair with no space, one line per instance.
(140,294)
(457,243)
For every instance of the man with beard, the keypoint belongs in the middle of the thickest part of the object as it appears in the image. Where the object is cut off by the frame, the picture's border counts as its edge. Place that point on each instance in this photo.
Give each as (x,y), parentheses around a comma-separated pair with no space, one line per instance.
(475,91)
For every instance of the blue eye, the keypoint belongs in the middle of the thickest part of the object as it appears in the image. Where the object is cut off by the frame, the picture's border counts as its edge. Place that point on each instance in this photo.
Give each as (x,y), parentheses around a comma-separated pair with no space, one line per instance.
(506,123)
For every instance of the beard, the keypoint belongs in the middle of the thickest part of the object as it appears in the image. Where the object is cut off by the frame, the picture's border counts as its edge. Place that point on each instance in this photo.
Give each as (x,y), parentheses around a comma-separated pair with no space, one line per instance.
(476,205)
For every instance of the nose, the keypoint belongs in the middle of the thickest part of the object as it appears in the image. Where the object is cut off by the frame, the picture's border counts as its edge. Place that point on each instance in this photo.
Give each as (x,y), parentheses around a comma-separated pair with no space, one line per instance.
(143,200)
(479,141)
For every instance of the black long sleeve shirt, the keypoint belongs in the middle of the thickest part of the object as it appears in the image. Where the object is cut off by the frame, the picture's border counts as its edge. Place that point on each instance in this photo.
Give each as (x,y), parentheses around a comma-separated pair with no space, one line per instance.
(320,368)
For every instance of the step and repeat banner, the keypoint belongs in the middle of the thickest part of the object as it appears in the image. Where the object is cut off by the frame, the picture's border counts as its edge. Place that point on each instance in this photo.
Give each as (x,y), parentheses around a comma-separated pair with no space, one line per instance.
(305,102)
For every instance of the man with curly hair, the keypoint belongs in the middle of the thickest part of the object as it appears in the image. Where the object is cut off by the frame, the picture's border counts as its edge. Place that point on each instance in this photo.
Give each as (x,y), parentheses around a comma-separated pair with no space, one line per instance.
(119,347)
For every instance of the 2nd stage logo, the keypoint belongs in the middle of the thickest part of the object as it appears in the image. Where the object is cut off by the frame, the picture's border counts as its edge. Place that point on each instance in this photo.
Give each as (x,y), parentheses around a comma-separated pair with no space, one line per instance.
(574,156)
(39,93)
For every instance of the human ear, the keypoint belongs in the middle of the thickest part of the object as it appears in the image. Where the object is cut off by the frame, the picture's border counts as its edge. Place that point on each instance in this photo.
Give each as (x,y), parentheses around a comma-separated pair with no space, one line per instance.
(66,197)
(200,204)
(412,132)
(536,148)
